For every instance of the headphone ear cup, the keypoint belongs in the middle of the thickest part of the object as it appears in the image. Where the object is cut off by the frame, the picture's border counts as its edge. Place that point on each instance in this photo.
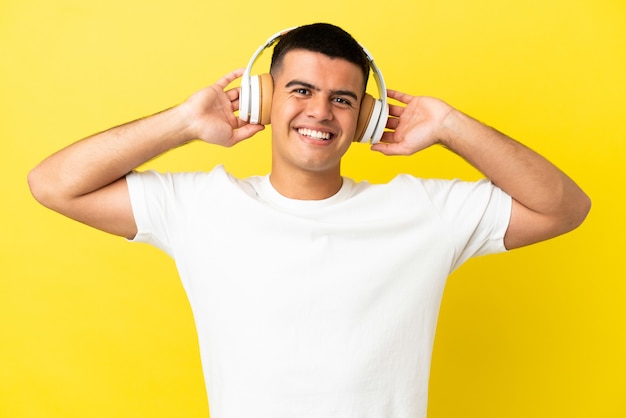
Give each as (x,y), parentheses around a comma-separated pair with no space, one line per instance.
(381,121)
(374,126)
(266,91)
(261,91)
(365,116)
(255,99)
(244,99)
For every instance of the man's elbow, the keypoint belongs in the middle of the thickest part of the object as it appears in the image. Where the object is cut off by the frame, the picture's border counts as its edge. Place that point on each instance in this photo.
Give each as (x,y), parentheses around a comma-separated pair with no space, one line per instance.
(35,185)
(577,212)
(41,187)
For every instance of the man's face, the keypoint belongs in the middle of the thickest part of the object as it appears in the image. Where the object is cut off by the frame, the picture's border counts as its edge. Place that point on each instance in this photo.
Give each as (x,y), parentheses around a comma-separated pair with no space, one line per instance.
(315,109)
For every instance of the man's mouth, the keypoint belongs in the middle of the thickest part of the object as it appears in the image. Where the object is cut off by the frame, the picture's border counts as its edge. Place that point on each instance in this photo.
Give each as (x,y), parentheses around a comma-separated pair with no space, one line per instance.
(311,133)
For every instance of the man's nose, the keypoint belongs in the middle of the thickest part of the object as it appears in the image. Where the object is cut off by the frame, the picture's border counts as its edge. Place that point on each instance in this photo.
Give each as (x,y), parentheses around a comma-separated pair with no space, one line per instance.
(320,107)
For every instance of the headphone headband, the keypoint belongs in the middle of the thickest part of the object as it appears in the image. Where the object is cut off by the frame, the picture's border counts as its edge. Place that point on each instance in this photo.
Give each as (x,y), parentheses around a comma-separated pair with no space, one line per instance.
(270,41)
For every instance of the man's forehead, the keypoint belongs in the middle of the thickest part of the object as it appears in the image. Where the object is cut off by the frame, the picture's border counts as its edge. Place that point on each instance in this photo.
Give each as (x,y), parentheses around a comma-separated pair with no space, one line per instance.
(300,62)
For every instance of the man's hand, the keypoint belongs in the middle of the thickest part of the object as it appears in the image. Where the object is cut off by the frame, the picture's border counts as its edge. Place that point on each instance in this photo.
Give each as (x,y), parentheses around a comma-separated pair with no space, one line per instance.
(415,126)
(211,114)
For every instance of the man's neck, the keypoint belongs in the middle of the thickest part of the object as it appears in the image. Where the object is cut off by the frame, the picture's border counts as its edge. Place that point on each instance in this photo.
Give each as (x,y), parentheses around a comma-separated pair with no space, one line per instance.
(307,186)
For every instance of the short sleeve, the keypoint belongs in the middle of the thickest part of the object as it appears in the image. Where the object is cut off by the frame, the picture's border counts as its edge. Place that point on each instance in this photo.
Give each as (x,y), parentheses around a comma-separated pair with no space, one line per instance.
(476,215)
(150,194)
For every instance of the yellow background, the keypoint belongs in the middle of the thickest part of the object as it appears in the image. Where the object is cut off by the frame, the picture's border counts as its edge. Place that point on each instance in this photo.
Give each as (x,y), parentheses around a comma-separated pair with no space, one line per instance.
(92,326)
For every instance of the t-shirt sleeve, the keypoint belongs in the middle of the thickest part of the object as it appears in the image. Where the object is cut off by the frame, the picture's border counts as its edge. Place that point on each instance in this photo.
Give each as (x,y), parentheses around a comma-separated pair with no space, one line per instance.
(165,204)
(150,196)
(476,214)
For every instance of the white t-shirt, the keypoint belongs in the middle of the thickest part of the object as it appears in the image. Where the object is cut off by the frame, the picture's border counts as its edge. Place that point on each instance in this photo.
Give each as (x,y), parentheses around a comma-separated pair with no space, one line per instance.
(316,308)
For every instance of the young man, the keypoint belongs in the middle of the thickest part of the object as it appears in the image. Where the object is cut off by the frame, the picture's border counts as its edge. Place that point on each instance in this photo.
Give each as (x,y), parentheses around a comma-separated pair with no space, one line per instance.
(313,295)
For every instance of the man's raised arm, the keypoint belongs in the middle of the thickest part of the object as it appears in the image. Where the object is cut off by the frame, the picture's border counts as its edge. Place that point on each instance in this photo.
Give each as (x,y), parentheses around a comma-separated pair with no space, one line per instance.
(546,202)
(86,181)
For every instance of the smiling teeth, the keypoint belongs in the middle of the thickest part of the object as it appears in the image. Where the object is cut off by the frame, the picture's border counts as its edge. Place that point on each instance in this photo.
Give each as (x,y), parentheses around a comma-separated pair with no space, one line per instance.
(314,134)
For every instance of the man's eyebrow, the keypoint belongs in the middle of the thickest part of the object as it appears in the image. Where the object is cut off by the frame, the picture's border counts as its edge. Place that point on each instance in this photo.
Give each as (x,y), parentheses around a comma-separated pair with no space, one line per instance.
(310,86)
(303,84)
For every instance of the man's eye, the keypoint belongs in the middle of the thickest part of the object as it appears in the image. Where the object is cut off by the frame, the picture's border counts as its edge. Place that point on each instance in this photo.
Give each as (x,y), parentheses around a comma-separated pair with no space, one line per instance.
(342,101)
(301,91)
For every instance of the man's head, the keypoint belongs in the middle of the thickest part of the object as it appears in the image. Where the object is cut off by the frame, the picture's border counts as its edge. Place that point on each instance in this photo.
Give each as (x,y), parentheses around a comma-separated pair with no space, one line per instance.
(318,76)
(324,38)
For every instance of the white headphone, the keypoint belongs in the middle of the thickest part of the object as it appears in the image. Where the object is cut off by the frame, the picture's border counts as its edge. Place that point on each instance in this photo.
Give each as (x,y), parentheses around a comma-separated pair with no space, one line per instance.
(255,98)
